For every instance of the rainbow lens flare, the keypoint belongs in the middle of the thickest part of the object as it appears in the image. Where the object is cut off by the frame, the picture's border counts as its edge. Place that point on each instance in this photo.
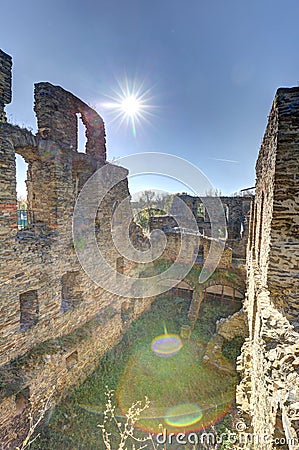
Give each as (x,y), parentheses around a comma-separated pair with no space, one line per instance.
(183,415)
(185,395)
(166,345)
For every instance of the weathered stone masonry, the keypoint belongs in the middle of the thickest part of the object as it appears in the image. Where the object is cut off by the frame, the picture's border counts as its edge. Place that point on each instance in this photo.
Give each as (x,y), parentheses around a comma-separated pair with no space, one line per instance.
(54,321)
(5,83)
(236,210)
(269,392)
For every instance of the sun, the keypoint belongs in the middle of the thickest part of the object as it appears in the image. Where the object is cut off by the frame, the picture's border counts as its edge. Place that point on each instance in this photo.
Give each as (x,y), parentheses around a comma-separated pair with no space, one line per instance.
(130,105)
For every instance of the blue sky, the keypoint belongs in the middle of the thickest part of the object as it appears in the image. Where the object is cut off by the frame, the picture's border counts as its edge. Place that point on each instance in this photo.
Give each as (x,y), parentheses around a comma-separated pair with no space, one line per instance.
(211,68)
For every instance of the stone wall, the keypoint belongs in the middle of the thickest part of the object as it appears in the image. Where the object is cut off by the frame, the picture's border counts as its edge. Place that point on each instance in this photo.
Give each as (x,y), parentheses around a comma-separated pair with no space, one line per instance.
(56,112)
(5,83)
(196,249)
(268,394)
(197,254)
(55,321)
(226,256)
(236,210)
(163,222)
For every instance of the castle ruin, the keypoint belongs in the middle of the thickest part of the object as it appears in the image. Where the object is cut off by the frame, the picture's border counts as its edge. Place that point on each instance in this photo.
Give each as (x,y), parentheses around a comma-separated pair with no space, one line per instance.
(269,364)
(55,322)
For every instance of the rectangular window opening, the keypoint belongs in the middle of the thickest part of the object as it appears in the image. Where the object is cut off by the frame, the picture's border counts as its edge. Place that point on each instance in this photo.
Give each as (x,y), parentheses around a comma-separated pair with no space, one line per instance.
(29,310)
(22,193)
(71,294)
(81,134)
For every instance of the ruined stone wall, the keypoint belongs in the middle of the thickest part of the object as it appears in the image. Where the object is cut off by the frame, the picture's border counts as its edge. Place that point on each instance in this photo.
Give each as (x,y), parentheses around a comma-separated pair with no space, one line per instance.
(55,321)
(269,391)
(226,256)
(283,261)
(5,83)
(176,242)
(236,210)
(56,111)
(191,248)
(162,222)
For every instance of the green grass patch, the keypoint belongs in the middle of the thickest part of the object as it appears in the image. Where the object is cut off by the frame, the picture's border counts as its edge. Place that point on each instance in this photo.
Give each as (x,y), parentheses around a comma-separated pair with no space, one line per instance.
(232,349)
(134,371)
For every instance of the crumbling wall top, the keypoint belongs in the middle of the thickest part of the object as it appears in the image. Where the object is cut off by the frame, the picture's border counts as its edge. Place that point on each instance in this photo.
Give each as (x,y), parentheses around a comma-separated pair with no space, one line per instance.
(5,83)
(56,110)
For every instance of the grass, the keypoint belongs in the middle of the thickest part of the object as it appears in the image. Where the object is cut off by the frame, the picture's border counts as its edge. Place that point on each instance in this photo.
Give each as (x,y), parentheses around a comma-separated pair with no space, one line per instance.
(232,349)
(134,371)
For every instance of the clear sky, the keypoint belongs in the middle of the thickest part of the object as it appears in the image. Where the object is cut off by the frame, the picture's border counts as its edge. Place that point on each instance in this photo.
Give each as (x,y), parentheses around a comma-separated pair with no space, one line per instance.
(208,71)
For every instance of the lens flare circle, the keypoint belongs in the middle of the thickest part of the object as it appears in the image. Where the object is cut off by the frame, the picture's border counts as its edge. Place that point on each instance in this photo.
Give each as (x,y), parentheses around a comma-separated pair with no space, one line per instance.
(174,381)
(166,345)
(97,262)
(183,415)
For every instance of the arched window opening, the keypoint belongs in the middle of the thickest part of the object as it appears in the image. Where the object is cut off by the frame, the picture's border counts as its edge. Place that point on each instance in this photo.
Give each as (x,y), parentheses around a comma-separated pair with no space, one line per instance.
(221,300)
(181,291)
(226,293)
(22,193)
(81,135)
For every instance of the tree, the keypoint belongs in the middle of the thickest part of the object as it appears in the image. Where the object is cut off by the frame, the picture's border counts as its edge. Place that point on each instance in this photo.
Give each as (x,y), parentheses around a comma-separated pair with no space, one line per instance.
(151,203)
(213,192)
